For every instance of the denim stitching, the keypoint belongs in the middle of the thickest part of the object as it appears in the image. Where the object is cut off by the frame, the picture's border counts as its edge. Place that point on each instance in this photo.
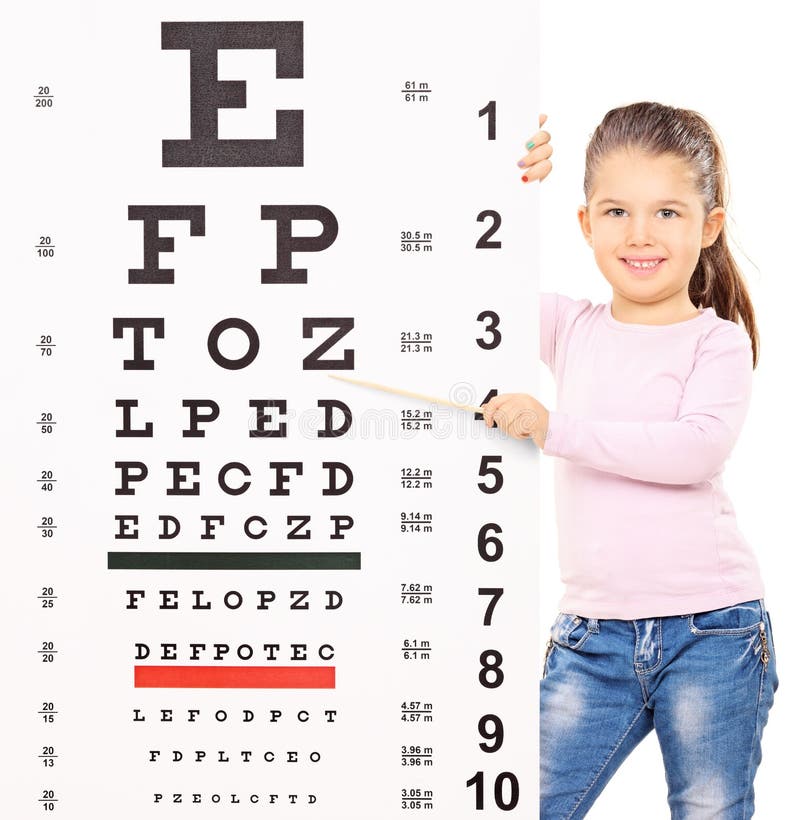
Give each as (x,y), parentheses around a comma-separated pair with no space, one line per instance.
(771,633)
(739,630)
(642,682)
(756,721)
(605,763)
(755,735)
(660,650)
(581,641)
(562,633)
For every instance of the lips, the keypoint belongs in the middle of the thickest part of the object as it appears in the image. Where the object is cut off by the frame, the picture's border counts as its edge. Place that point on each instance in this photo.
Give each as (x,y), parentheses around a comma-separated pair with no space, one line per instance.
(643,265)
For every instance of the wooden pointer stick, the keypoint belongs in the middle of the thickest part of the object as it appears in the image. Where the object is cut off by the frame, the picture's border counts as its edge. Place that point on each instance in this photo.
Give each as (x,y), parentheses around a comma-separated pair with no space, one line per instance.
(410,394)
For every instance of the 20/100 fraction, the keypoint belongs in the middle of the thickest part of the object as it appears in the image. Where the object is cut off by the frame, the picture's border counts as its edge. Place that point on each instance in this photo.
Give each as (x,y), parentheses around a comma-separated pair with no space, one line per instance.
(45,249)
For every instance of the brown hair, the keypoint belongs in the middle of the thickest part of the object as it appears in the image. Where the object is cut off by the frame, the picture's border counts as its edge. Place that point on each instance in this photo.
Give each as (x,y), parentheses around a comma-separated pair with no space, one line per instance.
(659,129)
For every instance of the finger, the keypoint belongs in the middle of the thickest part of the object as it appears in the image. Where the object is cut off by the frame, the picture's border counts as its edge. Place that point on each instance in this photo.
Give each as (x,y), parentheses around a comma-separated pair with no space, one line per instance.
(539,171)
(491,407)
(525,421)
(536,155)
(538,136)
(504,411)
(541,149)
(500,401)
(518,422)
(503,417)
(495,401)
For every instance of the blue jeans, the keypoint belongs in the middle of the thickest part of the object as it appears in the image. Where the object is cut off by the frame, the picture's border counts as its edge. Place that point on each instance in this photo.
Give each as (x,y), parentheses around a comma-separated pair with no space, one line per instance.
(704,681)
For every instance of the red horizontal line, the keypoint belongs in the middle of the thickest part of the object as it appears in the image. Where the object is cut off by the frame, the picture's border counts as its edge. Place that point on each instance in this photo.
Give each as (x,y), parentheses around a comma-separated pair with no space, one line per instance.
(235,677)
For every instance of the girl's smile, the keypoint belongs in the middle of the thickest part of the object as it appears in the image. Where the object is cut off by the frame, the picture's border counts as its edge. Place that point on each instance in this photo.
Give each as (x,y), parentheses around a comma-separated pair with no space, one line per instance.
(643,266)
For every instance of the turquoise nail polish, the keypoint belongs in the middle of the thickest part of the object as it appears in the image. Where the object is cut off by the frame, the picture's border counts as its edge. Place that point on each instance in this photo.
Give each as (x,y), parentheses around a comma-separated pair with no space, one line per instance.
(530,145)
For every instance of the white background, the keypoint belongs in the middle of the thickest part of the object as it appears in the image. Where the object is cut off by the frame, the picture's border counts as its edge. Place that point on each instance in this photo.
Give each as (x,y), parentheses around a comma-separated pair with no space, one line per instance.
(737,64)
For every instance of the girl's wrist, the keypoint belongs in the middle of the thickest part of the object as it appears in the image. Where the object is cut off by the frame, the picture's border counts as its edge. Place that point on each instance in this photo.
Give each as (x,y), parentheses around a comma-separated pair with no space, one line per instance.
(540,433)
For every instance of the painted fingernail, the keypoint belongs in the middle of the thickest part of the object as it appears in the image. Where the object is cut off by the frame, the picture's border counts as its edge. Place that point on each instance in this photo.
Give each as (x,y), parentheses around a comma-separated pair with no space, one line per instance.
(530,144)
(521,163)
(525,178)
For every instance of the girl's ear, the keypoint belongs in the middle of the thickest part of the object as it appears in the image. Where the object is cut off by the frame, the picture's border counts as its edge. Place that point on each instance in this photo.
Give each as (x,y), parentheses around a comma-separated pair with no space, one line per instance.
(583,219)
(712,226)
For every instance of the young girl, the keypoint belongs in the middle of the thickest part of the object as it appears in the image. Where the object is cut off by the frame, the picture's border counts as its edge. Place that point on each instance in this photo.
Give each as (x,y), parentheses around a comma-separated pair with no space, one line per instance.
(663,624)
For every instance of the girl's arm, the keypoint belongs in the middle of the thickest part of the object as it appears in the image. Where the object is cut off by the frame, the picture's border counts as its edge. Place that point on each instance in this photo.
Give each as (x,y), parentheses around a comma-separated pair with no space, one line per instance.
(690,449)
(556,312)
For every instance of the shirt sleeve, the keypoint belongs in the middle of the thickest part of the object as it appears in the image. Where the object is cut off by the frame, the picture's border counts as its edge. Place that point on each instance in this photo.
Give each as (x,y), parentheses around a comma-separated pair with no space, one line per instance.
(548,320)
(692,448)
(557,316)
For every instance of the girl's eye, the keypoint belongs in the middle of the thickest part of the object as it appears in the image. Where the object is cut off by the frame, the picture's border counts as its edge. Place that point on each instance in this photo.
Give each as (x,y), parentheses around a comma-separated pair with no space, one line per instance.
(669,213)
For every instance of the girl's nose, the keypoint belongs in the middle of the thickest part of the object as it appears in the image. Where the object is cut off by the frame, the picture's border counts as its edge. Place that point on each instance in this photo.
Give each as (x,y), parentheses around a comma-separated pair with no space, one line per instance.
(639,231)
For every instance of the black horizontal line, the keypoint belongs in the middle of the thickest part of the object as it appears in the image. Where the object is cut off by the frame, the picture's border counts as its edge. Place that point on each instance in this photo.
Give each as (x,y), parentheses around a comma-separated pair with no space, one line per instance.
(234,560)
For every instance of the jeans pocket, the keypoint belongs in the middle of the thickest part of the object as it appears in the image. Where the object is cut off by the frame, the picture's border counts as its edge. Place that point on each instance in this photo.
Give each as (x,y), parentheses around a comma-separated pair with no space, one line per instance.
(570,631)
(738,619)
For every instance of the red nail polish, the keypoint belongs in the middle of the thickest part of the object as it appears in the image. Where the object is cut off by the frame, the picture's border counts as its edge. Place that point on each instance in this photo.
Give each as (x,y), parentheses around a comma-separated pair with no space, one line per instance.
(525,178)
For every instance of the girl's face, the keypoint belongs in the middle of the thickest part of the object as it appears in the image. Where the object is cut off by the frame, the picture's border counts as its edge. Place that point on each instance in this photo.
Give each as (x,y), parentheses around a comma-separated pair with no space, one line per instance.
(647,224)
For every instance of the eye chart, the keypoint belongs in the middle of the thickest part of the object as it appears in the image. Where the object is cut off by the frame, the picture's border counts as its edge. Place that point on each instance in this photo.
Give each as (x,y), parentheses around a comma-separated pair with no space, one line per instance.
(236,586)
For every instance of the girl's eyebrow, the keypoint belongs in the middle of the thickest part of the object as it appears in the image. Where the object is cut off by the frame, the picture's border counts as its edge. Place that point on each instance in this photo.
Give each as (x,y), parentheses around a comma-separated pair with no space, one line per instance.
(662,202)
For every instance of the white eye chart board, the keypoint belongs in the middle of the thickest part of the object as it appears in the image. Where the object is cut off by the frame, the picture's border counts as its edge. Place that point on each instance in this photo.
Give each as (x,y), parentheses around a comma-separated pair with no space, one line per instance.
(236,587)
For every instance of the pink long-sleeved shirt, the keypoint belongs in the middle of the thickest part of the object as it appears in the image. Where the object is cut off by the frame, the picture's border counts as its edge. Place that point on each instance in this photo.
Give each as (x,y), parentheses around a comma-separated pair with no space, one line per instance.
(647,416)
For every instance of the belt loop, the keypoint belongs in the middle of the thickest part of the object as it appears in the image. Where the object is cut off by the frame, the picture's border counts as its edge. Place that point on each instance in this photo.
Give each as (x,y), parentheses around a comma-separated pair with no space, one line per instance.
(594,625)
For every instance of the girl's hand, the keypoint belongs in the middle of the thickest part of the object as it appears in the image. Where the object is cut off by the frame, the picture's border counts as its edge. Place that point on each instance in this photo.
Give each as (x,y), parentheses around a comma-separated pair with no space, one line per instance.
(518,415)
(535,163)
